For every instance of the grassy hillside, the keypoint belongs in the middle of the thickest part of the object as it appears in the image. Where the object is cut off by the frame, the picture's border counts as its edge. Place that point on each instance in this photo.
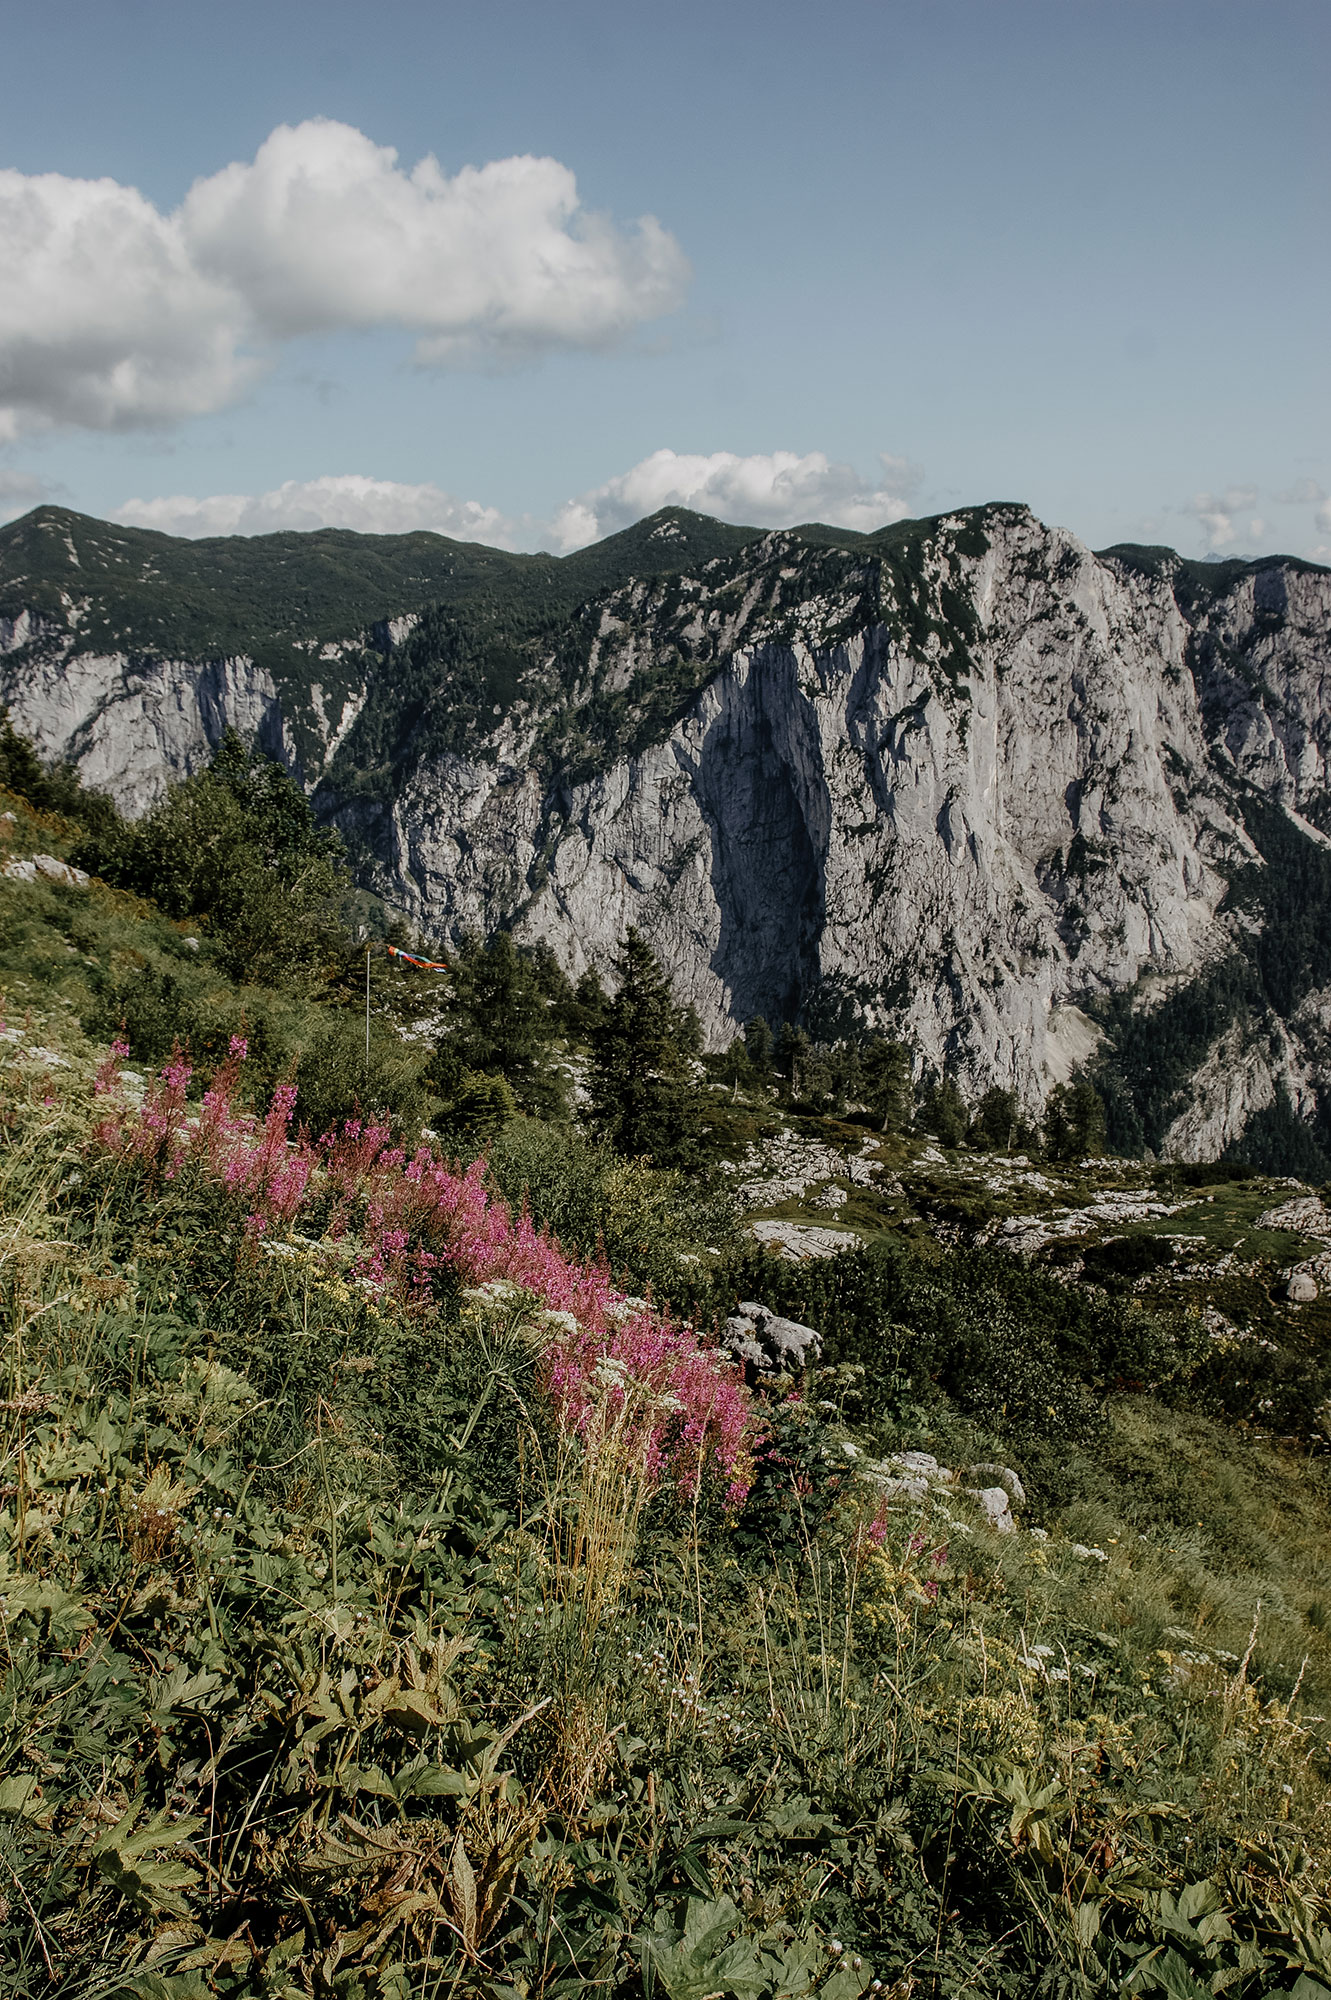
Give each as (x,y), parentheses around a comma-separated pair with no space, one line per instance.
(398,1602)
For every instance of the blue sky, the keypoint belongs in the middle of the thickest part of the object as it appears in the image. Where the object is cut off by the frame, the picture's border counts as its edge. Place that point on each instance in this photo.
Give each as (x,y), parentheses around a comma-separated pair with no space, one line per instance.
(908,257)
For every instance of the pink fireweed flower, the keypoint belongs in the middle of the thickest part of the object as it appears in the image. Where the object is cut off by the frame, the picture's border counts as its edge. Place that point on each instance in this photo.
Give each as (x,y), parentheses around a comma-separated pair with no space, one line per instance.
(107,1078)
(876,1531)
(688,1408)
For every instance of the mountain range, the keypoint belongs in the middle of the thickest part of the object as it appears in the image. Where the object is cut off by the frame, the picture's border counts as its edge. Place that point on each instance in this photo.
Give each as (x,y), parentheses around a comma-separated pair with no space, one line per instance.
(1036,808)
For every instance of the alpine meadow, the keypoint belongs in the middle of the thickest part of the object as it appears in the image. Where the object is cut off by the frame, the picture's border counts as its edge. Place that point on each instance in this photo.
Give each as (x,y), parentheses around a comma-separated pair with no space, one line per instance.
(665,1245)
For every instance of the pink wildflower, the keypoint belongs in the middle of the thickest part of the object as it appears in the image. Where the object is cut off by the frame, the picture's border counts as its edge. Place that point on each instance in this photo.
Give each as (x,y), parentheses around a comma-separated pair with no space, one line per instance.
(107,1077)
(692,1412)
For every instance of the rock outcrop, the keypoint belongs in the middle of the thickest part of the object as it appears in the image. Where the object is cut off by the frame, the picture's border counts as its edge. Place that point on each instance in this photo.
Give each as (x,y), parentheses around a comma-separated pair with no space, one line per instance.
(768,1344)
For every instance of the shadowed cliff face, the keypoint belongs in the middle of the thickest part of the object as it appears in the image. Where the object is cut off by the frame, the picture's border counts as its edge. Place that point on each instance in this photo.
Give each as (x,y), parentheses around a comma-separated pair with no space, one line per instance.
(768,819)
(967,847)
(964,778)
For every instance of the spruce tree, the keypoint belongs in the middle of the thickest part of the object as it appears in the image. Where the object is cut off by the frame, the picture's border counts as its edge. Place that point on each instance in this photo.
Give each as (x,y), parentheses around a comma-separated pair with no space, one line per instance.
(997,1121)
(1074,1121)
(639,1087)
(884,1082)
(792,1058)
(499,1024)
(758,1048)
(943,1112)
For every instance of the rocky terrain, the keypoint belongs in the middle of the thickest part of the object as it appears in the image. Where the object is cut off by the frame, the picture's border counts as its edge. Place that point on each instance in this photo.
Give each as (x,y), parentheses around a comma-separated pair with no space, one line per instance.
(964,780)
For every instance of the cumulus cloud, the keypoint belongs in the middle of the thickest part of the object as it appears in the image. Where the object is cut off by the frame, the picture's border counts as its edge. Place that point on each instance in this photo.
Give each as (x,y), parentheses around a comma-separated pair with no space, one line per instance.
(1303,493)
(19,491)
(114,314)
(1216,511)
(766,490)
(324,229)
(105,319)
(340,500)
(773,490)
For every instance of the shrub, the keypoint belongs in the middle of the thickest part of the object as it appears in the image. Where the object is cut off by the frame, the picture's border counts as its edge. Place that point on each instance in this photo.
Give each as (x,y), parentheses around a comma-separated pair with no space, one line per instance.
(237,848)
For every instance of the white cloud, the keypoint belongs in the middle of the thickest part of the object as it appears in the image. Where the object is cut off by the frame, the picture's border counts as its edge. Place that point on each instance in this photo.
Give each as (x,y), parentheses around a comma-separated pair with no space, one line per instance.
(1303,493)
(19,491)
(325,230)
(1323,517)
(1216,512)
(766,490)
(779,489)
(339,500)
(105,321)
(114,315)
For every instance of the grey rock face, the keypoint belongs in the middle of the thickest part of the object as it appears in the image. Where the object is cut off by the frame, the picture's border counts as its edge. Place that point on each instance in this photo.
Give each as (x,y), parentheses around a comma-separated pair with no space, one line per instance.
(131,725)
(997,1505)
(963,798)
(767,1343)
(794,1241)
(45,867)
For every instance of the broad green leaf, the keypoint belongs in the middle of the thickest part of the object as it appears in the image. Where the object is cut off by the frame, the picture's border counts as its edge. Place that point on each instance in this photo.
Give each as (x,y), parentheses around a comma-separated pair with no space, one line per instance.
(20,1795)
(1172,1976)
(1199,1899)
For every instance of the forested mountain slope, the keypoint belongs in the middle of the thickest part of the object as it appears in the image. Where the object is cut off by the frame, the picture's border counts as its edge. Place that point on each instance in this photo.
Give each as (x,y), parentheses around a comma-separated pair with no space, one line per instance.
(1029,806)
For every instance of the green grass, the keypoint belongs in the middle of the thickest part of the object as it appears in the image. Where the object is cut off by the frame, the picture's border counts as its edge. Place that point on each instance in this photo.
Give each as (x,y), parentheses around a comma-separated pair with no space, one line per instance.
(299,1694)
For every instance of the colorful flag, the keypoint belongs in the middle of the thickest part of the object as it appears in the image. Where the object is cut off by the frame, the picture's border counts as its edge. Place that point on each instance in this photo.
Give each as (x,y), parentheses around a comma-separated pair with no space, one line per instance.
(422,964)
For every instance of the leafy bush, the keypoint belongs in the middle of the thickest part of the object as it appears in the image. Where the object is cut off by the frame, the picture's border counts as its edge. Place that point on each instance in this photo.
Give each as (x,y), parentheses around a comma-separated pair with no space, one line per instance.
(640,1217)
(1126,1257)
(336,1082)
(237,848)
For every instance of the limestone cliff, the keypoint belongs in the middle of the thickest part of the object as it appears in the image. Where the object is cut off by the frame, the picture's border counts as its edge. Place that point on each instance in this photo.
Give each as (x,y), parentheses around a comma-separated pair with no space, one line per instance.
(964,779)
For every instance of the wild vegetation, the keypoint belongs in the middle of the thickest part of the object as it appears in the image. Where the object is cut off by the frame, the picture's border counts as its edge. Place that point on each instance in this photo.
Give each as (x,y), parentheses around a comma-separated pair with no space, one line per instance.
(402,1596)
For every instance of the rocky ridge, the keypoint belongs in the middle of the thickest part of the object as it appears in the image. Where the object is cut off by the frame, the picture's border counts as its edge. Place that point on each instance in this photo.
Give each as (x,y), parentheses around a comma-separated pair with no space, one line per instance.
(964,780)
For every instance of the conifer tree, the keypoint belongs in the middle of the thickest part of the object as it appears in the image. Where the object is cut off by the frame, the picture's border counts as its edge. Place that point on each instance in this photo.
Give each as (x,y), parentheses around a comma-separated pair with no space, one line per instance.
(943,1112)
(499,1024)
(1074,1121)
(758,1048)
(997,1120)
(884,1082)
(640,1089)
(792,1057)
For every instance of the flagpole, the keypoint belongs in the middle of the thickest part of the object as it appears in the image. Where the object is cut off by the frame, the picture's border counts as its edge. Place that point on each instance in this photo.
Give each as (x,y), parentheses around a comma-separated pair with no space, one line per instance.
(367,1016)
